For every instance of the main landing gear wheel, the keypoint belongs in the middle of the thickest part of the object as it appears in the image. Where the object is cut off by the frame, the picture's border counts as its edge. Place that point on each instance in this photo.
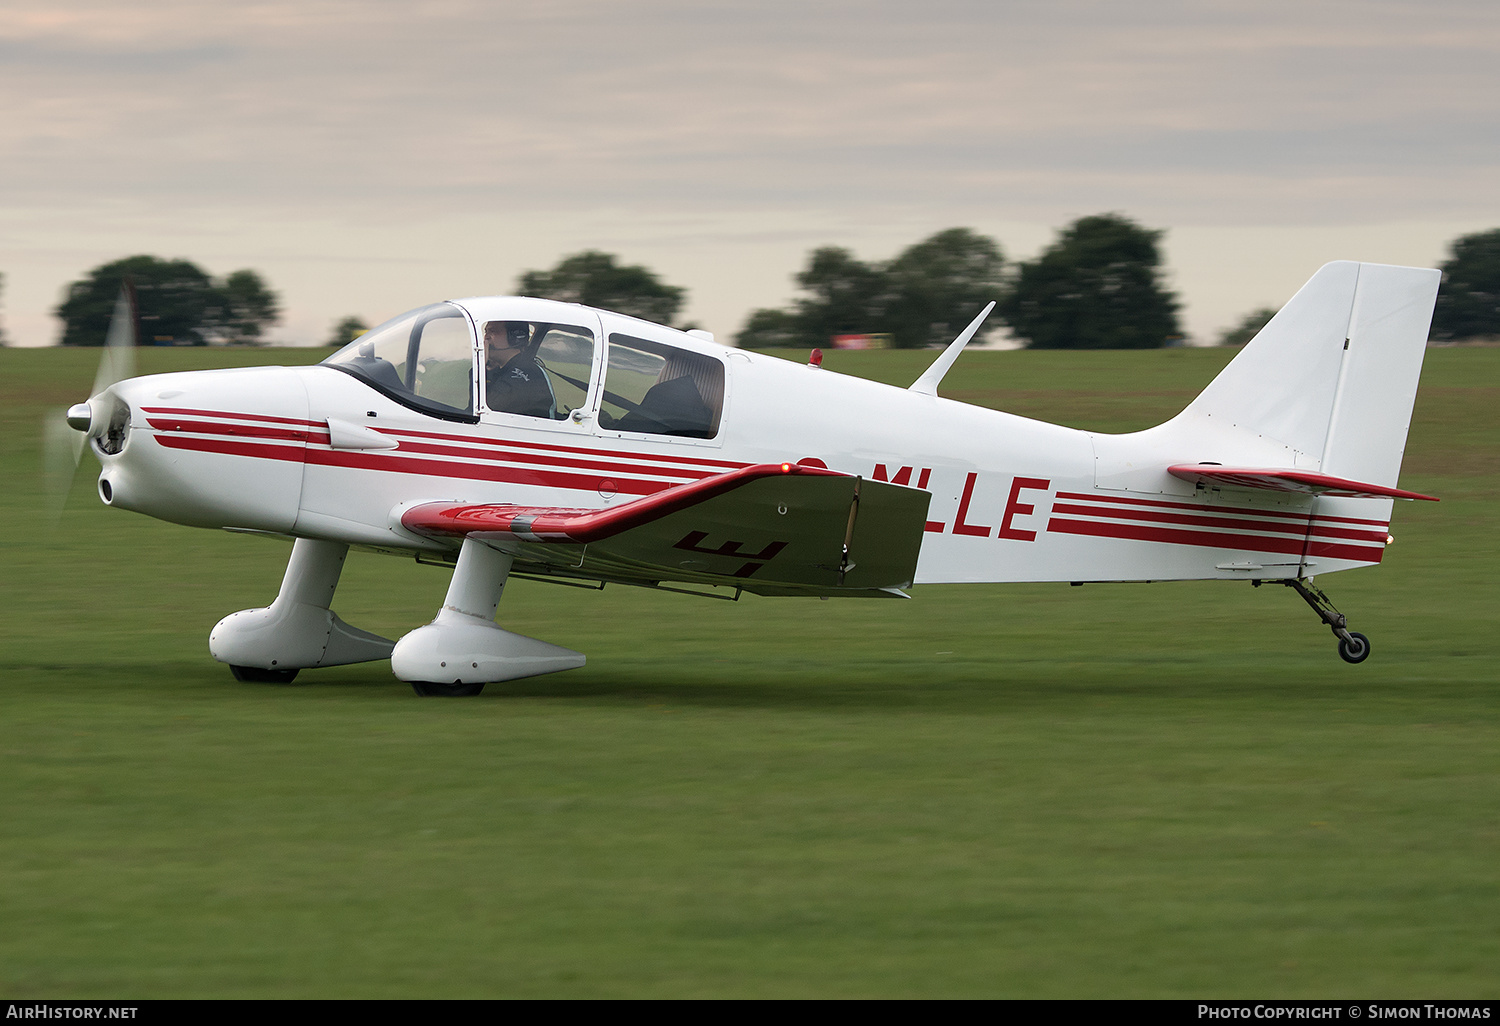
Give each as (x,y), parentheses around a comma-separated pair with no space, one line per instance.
(432,689)
(257,675)
(1356,649)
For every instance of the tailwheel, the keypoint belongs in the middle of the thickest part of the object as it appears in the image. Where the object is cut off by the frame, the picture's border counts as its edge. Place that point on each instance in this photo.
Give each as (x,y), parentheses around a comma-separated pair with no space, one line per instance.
(458,689)
(259,675)
(1355,648)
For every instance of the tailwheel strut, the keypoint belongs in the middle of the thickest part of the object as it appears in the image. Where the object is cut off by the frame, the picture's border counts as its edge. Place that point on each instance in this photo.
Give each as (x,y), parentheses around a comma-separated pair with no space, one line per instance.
(1354,647)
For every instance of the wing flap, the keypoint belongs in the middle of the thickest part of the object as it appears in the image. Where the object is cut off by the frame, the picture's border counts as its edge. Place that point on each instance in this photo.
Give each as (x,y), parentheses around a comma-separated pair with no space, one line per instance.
(1278,479)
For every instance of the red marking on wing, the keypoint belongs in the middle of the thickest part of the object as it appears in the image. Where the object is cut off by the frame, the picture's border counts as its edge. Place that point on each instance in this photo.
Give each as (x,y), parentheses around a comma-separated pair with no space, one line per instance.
(440,519)
(1281,480)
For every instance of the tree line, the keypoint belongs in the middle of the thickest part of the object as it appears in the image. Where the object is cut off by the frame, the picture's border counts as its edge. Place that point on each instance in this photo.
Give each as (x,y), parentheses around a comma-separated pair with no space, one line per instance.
(1099,285)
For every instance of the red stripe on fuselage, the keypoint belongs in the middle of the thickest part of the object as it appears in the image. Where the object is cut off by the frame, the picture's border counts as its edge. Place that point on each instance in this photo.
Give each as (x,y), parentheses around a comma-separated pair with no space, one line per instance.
(1213,540)
(469,453)
(548,447)
(219,415)
(391,463)
(481,440)
(430,449)
(232,430)
(1200,508)
(1214,518)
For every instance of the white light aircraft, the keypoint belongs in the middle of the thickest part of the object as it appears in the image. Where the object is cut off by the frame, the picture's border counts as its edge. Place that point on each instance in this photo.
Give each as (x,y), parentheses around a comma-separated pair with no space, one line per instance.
(515,436)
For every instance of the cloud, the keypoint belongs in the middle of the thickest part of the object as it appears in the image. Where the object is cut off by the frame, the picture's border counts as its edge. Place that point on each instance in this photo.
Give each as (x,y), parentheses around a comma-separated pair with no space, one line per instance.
(380,120)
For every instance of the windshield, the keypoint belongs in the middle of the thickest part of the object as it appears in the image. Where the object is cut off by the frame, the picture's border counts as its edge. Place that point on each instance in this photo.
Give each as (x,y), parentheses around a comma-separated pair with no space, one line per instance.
(423,359)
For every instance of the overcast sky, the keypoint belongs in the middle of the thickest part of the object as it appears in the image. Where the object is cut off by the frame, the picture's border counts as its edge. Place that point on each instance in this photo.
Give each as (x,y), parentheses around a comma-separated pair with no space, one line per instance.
(370,157)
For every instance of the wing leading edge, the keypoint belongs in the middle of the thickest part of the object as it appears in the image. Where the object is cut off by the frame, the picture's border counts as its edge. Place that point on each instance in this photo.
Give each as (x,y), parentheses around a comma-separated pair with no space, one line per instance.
(771,529)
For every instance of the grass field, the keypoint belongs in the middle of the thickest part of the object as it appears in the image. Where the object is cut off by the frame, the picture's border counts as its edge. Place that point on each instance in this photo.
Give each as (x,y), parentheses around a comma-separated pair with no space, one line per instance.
(1132,790)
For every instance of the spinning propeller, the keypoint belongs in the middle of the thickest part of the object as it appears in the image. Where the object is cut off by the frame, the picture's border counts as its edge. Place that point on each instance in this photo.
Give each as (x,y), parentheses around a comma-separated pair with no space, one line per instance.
(65,432)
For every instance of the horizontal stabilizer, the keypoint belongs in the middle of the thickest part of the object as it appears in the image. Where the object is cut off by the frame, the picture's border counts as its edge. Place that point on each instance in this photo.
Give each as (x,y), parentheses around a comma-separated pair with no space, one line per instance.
(1283,480)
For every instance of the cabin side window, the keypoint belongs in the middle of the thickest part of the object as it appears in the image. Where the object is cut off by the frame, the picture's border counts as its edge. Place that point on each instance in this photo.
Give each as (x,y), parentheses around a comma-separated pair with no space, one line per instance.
(423,359)
(659,389)
(537,370)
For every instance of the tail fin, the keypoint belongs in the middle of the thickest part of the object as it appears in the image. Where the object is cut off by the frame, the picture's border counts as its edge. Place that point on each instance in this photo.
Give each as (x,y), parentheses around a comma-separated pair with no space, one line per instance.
(1331,380)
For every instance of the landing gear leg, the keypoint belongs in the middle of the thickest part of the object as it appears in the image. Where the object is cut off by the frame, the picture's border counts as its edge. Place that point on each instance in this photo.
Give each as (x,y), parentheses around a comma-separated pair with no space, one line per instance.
(1354,647)
(463,649)
(298,630)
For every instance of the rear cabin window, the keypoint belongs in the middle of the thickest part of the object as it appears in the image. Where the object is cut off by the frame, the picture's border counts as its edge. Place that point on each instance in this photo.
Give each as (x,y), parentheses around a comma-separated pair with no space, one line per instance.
(659,389)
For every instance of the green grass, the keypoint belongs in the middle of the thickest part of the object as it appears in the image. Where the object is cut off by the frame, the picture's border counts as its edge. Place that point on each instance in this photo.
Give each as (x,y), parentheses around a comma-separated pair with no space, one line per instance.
(1147,790)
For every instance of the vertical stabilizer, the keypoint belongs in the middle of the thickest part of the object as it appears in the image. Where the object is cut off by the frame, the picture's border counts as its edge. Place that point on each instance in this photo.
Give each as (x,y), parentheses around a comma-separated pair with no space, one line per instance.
(1329,383)
(1281,385)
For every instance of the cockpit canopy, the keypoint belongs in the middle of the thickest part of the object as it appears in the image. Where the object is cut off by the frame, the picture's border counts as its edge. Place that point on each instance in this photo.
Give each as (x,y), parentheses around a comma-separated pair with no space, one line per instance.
(431,360)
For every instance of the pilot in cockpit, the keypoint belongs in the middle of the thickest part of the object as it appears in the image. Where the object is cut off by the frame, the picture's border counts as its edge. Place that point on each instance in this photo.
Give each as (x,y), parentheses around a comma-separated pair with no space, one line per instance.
(514,380)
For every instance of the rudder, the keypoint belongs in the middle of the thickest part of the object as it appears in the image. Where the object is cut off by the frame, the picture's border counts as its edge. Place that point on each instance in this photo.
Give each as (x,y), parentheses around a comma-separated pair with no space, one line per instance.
(1377,383)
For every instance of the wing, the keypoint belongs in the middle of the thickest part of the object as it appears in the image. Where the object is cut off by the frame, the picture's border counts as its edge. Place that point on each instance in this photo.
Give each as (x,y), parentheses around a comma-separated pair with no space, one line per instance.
(771,529)
(1283,480)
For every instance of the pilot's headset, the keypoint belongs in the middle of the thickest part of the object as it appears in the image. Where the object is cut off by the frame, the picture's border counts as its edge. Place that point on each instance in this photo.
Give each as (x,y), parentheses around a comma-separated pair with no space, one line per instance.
(518,335)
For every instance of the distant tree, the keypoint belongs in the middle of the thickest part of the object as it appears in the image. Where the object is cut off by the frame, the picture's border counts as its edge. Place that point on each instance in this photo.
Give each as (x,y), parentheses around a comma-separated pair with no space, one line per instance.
(1099,286)
(1468,302)
(1248,327)
(4,338)
(177,302)
(934,288)
(249,308)
(347,330)
(594,279)
(770,329)
(925,295)
(845,295)
(176,299)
